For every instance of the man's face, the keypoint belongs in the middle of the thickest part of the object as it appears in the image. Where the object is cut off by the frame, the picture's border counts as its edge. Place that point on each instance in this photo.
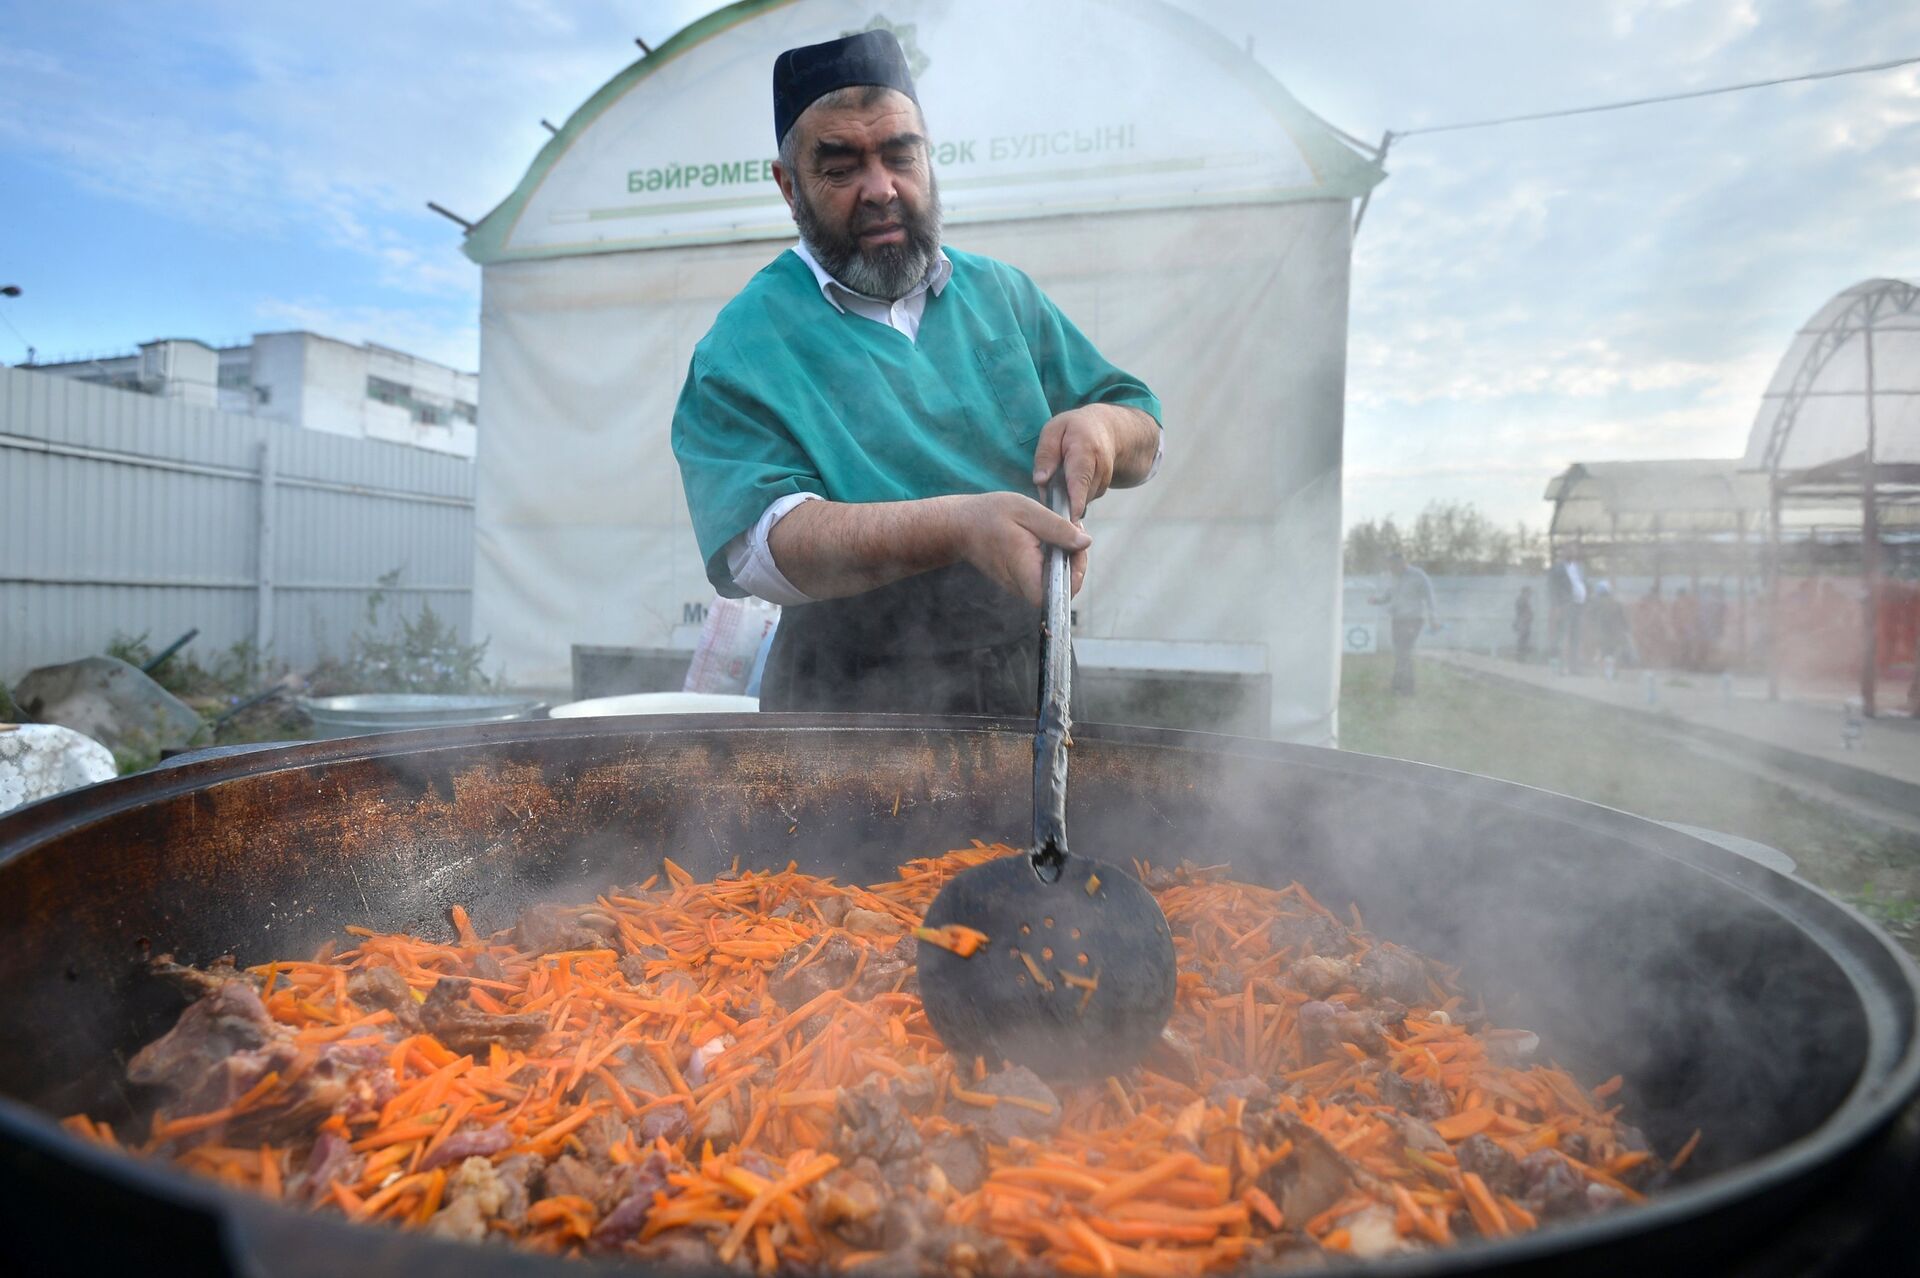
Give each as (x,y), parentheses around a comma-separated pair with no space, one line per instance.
(862,191)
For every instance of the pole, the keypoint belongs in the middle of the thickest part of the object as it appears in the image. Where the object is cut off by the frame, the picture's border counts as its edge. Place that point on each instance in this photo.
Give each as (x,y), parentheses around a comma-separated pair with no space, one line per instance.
(1379,158)
(1741,578)
(1773,589)
(1870,546)
(264,559)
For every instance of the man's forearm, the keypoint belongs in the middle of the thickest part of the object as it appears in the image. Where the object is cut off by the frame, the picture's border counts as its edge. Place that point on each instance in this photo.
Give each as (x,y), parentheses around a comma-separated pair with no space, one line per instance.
(830,549)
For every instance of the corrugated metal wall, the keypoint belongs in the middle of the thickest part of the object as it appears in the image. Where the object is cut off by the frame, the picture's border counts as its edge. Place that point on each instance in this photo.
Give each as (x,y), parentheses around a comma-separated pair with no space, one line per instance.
(121,513)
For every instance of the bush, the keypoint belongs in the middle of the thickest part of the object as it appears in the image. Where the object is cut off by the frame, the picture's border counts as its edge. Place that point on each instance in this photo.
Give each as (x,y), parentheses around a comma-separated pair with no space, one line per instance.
(231,674)
(393,652)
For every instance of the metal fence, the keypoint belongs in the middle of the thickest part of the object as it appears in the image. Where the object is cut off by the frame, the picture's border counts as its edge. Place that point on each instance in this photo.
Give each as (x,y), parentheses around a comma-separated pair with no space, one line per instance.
(125,514)
(1476,612)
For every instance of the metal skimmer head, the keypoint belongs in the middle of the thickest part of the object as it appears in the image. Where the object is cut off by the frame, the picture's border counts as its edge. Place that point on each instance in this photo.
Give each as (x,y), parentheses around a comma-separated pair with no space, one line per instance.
(1075,979)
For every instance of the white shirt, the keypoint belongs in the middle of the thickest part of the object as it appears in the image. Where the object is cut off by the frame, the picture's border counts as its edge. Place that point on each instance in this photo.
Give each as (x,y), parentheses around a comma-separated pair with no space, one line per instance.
(750,554)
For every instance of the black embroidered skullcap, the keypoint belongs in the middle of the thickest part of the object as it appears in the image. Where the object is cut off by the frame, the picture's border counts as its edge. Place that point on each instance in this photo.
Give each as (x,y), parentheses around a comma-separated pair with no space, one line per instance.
(803,76)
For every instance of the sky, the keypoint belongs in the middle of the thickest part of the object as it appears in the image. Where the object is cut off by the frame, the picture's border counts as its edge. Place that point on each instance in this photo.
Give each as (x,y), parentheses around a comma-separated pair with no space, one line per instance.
(1606,287)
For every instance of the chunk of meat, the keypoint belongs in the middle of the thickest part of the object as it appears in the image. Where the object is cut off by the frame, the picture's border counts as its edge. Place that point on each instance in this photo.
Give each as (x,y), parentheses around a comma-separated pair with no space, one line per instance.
(1002,1122)
(1551,1187)
(331,1159)
(475,1193)
(849,1200)
(668,1123)
(1482,1155)
(196,982)
(553,929)
(1313,1177)
(872,1124)
(720,1125)
(873,923)
(1371,1233)
(1254,1091)
(1318,976)
(517,1175)
(481,1142)
(569,1175)
(1387,971)
(884,970)
(961,1157)
(1419,1135)
(639,1073)
(190,1061)
(1308,1181)
(1310,933)
(348,1080)
(833,908)
(1324,1026)
(450,1017)
(634,966)
(683,1249)
(1173,1055)
(700,1060)
(636,1187)
(802,974)
(383,987)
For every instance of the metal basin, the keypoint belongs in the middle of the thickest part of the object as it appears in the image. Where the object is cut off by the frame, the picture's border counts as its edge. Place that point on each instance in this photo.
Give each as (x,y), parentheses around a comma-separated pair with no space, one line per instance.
(363,712)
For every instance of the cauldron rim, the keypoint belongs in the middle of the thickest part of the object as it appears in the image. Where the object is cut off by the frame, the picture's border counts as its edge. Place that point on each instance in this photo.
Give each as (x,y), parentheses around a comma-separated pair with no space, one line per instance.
(1888,1081)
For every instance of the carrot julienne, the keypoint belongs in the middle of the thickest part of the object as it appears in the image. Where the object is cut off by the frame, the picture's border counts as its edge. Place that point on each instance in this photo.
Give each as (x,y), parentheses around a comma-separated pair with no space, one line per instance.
(731,1043)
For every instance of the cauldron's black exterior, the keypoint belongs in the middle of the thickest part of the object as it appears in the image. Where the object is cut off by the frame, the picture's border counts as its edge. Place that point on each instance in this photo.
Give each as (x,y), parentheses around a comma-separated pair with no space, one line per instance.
(1732,997)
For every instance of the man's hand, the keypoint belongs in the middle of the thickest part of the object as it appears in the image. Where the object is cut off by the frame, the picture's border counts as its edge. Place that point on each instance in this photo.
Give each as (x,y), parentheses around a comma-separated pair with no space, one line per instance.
(829,549)
(1006,535)
(1100,446)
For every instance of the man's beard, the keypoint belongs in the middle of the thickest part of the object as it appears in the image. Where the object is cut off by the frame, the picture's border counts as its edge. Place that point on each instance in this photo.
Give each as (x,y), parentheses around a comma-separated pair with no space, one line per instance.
(888,271)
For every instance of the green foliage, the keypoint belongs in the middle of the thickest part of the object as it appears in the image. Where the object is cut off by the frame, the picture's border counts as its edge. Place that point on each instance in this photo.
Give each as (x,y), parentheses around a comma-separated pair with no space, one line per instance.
(230,675)
(1448,538)
(1894,910)
(393,652)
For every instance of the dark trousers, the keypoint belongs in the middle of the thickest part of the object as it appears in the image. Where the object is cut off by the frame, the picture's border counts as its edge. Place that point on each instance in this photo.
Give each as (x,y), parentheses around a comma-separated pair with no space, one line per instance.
(1406,633)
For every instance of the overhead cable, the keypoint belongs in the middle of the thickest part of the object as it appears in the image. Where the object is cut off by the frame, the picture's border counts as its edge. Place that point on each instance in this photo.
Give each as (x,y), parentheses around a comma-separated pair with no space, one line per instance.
(1388,138)
(1664,97)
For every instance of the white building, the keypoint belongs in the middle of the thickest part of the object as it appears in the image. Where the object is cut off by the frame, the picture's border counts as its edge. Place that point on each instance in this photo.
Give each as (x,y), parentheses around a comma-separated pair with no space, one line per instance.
(304,379)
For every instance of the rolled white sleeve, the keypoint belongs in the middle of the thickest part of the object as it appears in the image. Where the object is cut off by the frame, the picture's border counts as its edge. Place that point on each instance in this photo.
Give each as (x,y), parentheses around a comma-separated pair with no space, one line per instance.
(750,556)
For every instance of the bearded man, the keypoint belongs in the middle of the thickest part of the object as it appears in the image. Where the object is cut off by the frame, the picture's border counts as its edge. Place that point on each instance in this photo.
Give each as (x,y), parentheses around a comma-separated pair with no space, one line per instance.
(861,429)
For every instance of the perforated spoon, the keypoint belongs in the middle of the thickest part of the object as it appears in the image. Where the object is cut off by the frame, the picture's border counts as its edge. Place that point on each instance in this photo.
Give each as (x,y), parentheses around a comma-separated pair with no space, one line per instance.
(1075,978)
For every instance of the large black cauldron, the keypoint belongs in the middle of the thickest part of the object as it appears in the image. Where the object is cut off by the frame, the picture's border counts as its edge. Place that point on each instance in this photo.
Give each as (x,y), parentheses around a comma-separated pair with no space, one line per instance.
(1733,998)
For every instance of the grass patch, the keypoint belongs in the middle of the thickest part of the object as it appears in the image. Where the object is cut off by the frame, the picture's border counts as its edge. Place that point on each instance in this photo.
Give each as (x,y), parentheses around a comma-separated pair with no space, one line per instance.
(1592,753)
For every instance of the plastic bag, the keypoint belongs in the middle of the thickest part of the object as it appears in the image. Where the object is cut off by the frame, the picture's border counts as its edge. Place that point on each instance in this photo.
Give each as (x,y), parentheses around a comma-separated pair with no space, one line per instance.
(723,658)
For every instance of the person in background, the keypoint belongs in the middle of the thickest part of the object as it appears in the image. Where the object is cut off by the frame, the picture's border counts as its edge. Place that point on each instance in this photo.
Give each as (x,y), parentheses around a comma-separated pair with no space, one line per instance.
(1567,589)
(1652,631)
(1713,626)
(1686,630)
(1523,625)
(1612,637)
(1411,606)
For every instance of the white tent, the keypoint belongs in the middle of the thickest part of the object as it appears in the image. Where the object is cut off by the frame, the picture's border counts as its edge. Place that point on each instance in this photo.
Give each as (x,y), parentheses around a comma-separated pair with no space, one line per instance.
(1187,213)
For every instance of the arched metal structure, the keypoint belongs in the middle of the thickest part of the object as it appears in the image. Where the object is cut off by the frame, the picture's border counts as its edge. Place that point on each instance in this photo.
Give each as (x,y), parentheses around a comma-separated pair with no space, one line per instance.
(1840,424)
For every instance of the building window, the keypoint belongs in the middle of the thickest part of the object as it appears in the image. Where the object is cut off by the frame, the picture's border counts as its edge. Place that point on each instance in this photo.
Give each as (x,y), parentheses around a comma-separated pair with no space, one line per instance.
(235,377)
(388,392)
(466,412)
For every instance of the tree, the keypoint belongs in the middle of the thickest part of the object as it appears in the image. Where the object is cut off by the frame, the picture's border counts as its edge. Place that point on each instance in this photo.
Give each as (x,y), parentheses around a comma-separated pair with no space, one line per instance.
(1449,538)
